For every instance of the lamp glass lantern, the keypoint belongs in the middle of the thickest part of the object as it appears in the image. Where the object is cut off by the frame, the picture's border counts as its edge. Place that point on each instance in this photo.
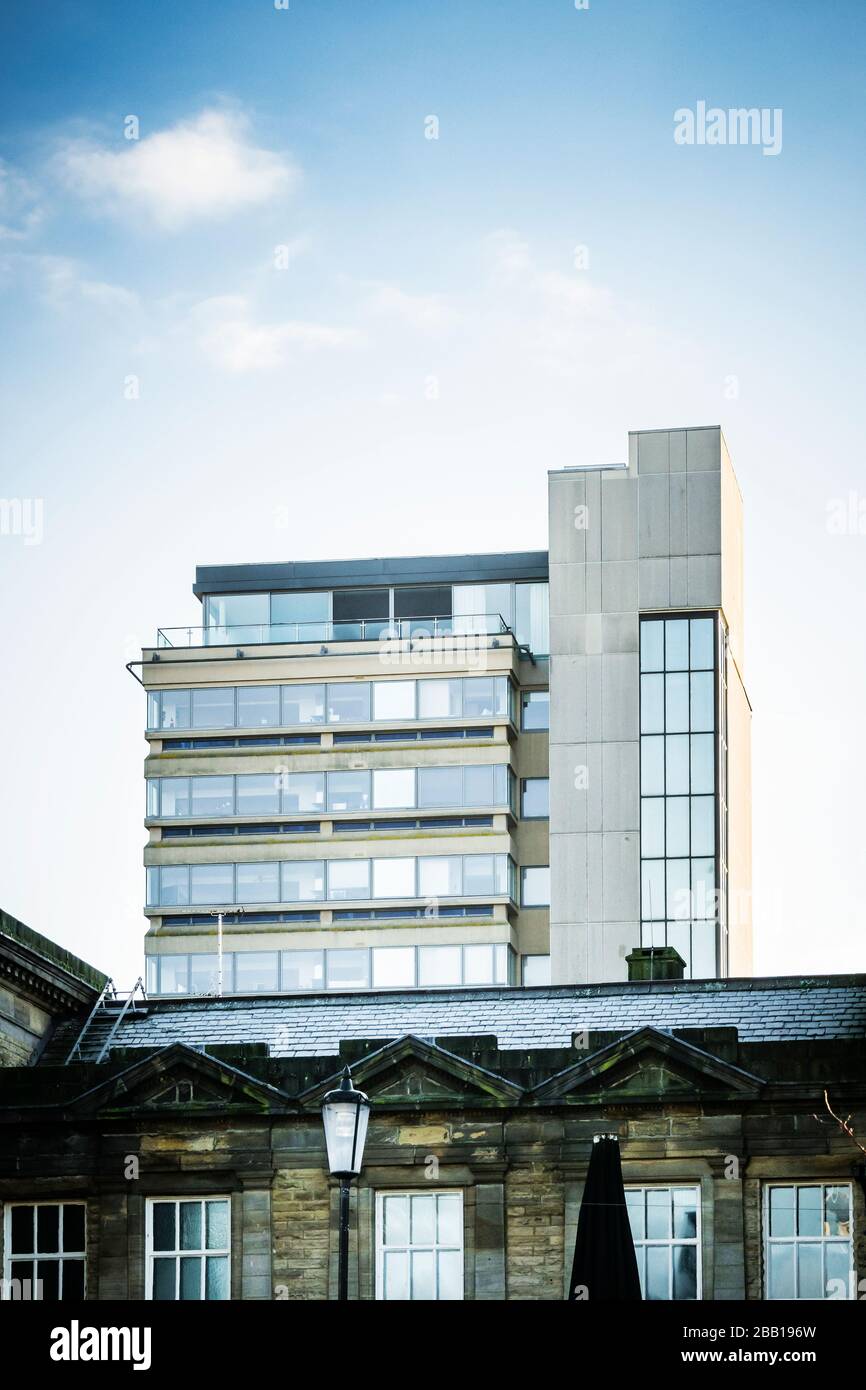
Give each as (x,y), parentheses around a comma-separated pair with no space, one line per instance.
(345,1114)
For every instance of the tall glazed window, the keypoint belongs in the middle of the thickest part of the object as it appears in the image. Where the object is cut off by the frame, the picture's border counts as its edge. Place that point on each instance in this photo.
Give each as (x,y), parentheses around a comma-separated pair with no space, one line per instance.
(682,773)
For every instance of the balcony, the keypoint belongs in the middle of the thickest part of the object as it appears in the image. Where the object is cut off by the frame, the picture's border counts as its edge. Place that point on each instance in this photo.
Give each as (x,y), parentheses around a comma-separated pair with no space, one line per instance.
(467,626)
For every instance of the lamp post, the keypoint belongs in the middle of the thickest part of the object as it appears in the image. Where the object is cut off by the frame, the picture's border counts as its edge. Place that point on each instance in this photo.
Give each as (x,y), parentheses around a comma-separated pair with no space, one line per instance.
(345,1113)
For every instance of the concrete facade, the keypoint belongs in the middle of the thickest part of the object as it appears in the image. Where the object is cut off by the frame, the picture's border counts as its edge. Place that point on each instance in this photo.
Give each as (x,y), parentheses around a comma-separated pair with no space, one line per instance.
(661,535)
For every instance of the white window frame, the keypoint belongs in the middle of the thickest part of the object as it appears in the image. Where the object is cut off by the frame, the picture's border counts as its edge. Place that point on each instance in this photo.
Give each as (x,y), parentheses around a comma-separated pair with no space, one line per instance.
(670,1241)
(797,1240)
(177,1253)
(381,1195)
(80,1256)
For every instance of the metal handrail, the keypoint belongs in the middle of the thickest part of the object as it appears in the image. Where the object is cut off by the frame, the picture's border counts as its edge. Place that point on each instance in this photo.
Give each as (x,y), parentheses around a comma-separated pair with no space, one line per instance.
(130,1000)
(362,630)
(76,1046)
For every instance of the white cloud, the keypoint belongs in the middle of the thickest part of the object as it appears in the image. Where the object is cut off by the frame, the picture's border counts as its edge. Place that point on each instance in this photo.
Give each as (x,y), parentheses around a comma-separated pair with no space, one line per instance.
(425,312)
(20,214)
(230,336)
(206,167)
(64,278)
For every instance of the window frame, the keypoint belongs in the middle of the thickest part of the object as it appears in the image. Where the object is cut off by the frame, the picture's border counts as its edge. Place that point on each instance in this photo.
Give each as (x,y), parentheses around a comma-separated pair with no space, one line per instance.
(35,1256)
(202,1254)
(380,1196)
(672,1241)
(797,1240)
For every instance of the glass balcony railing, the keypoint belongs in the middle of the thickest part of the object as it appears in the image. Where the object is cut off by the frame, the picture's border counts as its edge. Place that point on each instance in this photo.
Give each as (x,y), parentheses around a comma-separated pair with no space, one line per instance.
(366,630)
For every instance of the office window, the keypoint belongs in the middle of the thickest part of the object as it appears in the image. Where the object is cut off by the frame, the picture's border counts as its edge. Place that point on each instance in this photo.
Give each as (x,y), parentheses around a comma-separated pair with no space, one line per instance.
(301,617)
(213,708)
(485,697)
(532,617)
(440,699)
(479,965)
(258,794)
(394,967)
(174,797)
(237,617)
(303,792)
(303,881)
(188,1246)
(303,704)
(348,878)
(349,703)
(211,883)
(534,710)
(349,969)
(440,786)
(394,700)
(419,1246)
(393,878)
(479,607)
(440,876)
(45,1251)
(536,970)
(258,883)
(423,601)
(213,796)
(485,786)
(302,970)
(256,972)
(665,1226)
(393,788)
(152,797)
(535,798)
(439,966)
(174,975)
(808,1235)
(348,791)
(174,885)
(680,904)
(204,974)
(535,886)
(175,709)
(484,874)
(258,706)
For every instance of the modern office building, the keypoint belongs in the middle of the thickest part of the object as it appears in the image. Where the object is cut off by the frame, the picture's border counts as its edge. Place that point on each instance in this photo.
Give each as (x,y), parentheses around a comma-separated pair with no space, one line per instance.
(485,770)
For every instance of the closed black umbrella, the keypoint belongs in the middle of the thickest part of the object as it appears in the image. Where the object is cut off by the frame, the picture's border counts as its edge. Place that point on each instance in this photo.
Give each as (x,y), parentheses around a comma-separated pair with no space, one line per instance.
(605,1267)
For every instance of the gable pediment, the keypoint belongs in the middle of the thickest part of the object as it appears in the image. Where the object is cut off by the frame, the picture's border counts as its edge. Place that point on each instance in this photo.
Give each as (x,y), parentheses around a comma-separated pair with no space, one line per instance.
(649,1064)
(413,1072)
(179,1080)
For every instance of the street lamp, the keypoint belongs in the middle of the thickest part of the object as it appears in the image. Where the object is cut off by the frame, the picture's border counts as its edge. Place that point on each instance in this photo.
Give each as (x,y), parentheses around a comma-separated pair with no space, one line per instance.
(345,1113)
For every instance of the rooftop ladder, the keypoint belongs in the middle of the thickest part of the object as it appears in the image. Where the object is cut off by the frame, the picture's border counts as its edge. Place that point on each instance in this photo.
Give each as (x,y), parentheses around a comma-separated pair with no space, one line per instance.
(102,1011)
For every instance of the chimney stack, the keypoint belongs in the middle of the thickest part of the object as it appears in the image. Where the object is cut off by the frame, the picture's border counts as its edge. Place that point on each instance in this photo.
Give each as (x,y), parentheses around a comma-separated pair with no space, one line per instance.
(655,963)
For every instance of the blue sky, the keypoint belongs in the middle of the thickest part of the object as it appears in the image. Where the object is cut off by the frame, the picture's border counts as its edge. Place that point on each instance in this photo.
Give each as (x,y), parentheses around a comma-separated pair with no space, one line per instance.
(430,350)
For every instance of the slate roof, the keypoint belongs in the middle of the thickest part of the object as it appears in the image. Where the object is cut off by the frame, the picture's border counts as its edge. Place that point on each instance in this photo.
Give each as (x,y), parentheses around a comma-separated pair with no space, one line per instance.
(762,1010)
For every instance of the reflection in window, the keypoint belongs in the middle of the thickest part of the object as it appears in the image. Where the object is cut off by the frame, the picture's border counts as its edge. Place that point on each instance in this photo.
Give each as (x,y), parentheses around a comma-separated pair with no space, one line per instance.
(419,1246)
(45,1251)
(678,749)
(535,886)
(188,1249)
(665,1227)
(535,798)
(536,970)
(808,1241)
(535,710)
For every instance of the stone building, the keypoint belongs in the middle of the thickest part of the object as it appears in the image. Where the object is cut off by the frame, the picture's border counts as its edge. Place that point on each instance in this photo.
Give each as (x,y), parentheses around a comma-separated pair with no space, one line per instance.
(190,1160)
(40,982)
